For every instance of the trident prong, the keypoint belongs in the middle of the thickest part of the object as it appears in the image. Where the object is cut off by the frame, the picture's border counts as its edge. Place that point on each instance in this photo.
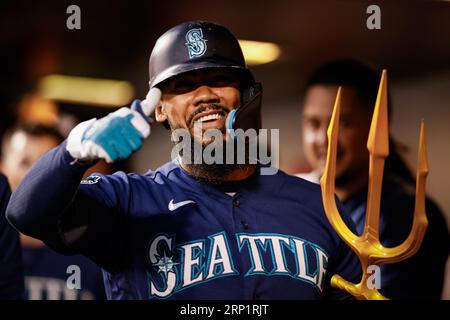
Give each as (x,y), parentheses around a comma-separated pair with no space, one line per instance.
(367,246)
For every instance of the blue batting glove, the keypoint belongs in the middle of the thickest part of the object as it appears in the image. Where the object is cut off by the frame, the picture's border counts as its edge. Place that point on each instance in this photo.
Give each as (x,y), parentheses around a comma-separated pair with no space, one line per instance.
(114,137)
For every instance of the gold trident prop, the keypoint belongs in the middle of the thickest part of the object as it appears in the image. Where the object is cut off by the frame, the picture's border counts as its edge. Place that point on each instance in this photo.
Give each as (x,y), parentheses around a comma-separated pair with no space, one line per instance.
(367,246)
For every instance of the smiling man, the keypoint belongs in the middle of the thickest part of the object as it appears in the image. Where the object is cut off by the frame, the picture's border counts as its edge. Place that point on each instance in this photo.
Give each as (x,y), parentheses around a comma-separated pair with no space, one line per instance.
(198,102)
(186,230)
(402,280)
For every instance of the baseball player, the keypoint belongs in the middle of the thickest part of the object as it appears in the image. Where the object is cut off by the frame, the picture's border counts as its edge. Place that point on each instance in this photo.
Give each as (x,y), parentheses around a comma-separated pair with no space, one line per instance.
(45,270)
(11,268)
(185,231)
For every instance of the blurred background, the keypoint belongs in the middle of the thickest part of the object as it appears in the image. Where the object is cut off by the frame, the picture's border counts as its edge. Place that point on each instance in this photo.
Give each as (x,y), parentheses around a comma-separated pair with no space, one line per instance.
(54,75)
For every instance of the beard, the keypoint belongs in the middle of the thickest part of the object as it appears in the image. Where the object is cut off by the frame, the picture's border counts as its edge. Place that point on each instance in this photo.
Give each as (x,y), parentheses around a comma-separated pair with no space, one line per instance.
(217,173)
(192,156)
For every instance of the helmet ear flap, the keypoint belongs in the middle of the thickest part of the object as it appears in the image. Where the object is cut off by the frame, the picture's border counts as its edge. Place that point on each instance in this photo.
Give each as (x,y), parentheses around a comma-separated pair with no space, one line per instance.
(248,116)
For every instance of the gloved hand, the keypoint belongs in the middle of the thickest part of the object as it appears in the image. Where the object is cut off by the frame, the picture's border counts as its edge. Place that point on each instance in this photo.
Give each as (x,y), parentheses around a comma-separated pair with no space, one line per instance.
(114,137)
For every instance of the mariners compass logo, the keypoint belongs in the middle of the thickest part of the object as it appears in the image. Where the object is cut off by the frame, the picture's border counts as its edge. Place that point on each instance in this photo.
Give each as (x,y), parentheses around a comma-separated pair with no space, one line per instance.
(195,43)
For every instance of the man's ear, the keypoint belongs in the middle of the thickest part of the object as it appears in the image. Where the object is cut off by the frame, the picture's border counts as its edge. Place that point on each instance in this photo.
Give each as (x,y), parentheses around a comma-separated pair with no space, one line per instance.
(160,113)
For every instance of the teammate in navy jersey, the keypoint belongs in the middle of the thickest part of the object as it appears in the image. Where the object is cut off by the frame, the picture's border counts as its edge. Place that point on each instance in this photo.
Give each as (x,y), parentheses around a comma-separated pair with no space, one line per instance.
(405,279)
(52,276)
(46,272)
(185,231)
(11,269)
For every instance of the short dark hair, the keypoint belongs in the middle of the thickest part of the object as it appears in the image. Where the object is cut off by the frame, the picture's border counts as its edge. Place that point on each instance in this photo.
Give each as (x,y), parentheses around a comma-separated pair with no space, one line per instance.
(365,80)
(33,129)
(349,72)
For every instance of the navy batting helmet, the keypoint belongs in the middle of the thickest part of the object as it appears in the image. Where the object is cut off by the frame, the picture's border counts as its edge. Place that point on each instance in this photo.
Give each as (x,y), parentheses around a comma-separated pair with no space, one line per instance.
(192,46)
(200,45)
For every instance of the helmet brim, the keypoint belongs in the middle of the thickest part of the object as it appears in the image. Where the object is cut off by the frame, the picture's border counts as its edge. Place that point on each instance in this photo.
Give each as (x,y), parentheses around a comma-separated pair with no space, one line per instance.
(184,68)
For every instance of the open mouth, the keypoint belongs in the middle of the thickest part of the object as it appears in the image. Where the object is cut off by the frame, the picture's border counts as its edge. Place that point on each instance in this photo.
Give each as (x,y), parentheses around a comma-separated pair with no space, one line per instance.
(210,118)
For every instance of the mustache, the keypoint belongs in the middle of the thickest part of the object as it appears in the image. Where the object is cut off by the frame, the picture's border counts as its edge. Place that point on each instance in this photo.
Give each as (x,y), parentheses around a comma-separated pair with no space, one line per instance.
(204,108)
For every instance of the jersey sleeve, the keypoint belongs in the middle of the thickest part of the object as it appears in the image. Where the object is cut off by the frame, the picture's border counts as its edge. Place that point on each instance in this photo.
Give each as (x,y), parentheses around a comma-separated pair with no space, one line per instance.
(103,203)
(11,268)
(50,205)
(48,188)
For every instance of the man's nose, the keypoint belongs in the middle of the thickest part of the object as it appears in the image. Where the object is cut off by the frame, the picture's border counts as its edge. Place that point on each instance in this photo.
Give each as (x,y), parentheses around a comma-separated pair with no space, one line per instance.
(205,94)
(321,137)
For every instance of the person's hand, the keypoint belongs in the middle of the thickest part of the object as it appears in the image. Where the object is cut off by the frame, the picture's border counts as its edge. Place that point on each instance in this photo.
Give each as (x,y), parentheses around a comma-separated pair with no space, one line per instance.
(114,137)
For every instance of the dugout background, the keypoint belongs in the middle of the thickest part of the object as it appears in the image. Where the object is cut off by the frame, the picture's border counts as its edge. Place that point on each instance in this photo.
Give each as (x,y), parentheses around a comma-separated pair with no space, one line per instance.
(116,38)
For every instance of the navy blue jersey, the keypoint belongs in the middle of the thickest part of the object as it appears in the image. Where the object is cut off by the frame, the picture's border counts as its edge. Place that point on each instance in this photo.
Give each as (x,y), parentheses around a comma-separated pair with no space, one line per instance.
(47,273)
(11,270)
(422,275)
(167,235)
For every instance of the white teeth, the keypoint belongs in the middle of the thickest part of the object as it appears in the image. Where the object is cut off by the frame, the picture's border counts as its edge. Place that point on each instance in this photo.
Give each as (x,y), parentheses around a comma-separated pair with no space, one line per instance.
(214,116)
